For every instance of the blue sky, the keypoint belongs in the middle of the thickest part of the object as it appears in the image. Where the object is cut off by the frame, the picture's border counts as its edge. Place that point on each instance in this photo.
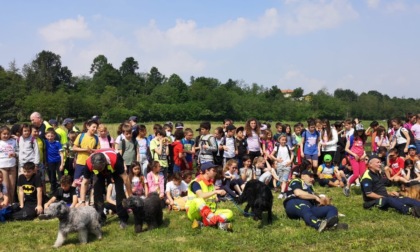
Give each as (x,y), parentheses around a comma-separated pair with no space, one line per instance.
(319,44)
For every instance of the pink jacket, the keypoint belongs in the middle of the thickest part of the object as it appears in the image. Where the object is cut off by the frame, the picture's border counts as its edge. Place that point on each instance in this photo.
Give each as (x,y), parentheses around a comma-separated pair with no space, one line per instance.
(155,186)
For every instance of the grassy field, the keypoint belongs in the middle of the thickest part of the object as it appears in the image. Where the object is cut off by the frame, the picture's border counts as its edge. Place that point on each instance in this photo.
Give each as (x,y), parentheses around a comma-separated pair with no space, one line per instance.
(369,230)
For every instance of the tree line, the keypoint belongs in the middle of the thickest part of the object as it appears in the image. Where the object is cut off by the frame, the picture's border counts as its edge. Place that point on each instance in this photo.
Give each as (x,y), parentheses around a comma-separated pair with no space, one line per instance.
(114,94)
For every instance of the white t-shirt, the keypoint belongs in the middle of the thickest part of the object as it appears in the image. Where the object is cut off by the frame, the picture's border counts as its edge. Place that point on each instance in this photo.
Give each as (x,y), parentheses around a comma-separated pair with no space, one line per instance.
(416,131)
(142,144)
(7,147)
(284,154)
(176,191)
(230,143)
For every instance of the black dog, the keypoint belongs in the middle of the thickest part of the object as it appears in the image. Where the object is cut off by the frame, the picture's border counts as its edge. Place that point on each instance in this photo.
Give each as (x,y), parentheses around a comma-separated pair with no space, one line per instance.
(147,210)
(259,198)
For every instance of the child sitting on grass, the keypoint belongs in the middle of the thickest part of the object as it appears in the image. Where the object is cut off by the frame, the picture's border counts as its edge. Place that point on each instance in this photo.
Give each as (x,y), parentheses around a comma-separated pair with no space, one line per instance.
(30,193)
(175,192)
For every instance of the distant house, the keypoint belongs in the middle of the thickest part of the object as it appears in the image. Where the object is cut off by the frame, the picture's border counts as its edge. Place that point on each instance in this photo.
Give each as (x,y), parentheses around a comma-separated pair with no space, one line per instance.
(287,92)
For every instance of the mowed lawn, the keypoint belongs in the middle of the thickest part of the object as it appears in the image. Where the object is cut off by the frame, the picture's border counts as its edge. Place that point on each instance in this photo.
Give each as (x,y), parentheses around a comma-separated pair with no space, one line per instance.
(369,230)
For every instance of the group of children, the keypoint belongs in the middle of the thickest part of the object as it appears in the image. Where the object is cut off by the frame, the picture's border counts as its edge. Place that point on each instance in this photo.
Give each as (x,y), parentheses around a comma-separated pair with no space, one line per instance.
(163,162)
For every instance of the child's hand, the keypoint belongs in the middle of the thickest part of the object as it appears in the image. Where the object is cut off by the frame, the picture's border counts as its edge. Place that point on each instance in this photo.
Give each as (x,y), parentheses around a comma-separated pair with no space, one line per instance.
(38,209)
(61,167)
(161,196)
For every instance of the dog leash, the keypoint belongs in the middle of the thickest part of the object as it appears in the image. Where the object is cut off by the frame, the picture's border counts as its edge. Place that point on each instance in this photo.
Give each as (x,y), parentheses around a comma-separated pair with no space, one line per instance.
(246,214)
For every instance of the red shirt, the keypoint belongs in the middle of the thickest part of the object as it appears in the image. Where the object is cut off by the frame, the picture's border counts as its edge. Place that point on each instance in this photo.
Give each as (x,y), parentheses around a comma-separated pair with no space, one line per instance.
(178,148)
(396,165)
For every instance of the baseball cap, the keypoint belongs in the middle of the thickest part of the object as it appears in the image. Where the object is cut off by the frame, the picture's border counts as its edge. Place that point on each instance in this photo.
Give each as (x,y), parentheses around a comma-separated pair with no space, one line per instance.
(95,118)
(327,158)
(133,118)
(53,122)
(67,120)
(263,127)
(412,146)
(179,125)
(207,166)
(230,127)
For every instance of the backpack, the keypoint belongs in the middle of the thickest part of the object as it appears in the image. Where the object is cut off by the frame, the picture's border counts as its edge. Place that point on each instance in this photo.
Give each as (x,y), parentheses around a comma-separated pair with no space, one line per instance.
(412,139)
(276,148)
(208,142)
(123,146)
(94,136)
(109,140)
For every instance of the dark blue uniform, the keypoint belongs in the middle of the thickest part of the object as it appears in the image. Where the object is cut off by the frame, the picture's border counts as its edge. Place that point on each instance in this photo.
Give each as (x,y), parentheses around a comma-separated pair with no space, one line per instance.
(306,209)
(373,182)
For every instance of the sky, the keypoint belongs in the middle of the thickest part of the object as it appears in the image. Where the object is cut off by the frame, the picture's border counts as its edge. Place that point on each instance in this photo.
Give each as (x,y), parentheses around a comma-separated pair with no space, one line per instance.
(360,45)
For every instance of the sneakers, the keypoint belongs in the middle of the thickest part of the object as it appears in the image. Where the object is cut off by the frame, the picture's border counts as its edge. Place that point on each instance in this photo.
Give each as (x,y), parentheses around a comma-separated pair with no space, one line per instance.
(346,191)
(123,224)
(45,216)
(415,211)
(281,196)
(226,226)
(328,223)
(197,224)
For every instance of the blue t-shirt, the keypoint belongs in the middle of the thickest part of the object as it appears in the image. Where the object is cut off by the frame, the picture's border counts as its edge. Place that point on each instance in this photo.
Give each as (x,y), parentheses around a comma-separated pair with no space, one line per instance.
(311,142)
(188,145)
(53,151)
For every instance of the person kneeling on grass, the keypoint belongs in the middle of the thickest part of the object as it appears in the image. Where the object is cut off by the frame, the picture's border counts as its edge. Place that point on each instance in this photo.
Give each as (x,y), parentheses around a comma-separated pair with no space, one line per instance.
(201,201)
(375,193)
(302,202)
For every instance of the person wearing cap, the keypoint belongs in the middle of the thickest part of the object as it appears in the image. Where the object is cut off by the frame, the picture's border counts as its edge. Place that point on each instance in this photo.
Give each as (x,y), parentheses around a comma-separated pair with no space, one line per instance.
(201,205)
(179,125)
(68,123)
(102,165)
(37,121)
(62,135)
(329,175)
(135,128)
(375,193)
(412,153)
(302,202)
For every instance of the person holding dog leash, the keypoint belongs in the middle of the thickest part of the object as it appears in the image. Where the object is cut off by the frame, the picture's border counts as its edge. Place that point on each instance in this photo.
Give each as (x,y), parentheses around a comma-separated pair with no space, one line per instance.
(201,205)
(301,202)
(103,164)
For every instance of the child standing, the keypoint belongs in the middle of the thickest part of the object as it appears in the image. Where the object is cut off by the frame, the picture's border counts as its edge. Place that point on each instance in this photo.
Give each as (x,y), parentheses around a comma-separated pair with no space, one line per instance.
(267,143)
(8,150)
(189,151)
(70,154)
(28,147)
(160,151)
(241,145)
(30,193)
(178,150)
(309,147)
(4,196)
(144,151)
(284,158)
(219,135)
(355,149)
(381,138)
(105,140)
(138,184)
(155,179)
(55,159)
(85,144)
(252,129)
(229,145)
(128,147)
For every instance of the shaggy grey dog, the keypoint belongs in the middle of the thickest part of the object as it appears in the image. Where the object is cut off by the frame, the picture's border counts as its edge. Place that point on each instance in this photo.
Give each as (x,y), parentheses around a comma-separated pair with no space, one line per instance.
(81,219)
(147,210)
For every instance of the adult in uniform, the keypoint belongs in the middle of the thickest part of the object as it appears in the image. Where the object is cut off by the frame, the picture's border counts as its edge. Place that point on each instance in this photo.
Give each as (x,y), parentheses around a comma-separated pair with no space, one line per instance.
(301,202)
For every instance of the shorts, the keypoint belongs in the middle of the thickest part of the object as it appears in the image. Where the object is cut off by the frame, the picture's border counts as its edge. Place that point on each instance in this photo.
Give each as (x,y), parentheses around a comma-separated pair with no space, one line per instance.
(283,172)
(79,170)
(311,157)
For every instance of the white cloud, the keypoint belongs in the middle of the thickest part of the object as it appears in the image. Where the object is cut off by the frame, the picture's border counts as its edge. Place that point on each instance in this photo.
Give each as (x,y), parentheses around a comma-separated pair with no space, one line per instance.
(315,15)
(65,29)
(373,3)
(186,33)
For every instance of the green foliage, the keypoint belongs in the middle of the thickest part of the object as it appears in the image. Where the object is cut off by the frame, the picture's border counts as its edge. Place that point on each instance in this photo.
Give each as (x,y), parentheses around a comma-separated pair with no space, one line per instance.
(46,86)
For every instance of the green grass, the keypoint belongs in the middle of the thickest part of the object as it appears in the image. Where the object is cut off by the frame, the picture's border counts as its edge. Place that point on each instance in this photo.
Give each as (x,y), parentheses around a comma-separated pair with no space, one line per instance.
(369,230)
